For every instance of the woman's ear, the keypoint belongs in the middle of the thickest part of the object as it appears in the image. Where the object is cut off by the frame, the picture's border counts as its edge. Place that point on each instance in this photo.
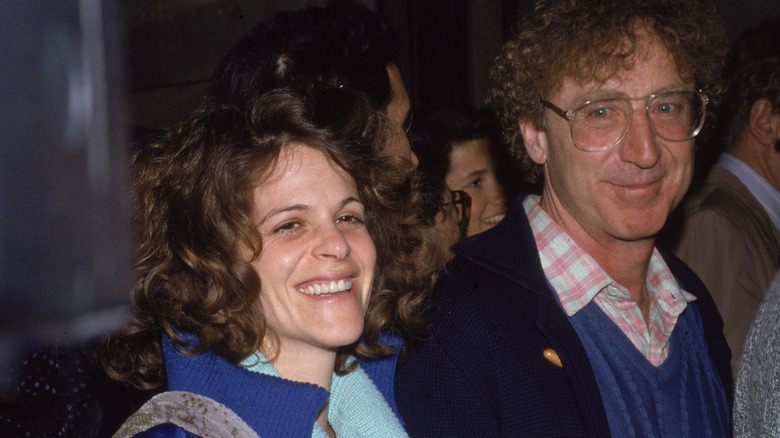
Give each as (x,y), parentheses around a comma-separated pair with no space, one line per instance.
(535,141)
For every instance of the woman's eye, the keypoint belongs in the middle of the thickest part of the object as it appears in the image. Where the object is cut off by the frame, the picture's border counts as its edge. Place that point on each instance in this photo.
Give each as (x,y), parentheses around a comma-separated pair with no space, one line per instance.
(350,221)
(475,184)
(287,227)
(349,218)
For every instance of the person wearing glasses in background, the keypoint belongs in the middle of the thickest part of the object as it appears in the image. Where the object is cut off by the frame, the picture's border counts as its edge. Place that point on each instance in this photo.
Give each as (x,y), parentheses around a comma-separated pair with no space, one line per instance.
(445,214)
(342,44)
(565,319)
(463,146)
(458,149)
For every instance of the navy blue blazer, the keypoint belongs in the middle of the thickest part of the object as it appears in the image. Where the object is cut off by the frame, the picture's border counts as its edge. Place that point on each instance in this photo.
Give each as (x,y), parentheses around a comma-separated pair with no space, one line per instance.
(482,371)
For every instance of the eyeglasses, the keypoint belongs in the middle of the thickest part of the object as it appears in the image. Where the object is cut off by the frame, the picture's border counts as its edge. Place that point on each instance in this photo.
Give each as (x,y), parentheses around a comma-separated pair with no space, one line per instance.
(597,125)
(461,203)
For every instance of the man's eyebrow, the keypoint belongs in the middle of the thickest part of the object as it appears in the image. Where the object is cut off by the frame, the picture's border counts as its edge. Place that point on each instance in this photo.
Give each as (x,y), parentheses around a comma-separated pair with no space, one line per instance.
(677,87)
(615,94)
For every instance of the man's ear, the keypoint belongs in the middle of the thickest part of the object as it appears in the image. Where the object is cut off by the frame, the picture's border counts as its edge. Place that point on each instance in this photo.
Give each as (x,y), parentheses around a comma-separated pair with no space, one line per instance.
(764,123)
(535,141)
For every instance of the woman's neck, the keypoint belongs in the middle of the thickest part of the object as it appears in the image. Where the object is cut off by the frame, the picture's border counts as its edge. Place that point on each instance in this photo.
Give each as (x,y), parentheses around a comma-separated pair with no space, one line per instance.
(303,363)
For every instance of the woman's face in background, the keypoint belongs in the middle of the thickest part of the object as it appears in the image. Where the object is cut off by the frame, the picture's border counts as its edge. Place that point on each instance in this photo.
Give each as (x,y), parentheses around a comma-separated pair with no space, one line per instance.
(317,261)
(473,171)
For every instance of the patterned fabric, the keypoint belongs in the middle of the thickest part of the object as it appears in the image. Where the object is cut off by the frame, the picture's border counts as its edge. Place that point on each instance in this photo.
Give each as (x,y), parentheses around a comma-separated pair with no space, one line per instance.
(269,404)
(578,279)
(483,370)
(757,394)
(192,412)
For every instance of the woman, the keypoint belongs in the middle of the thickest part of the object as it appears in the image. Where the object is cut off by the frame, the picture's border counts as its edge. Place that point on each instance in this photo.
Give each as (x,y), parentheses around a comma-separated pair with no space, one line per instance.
(462,147)
(275,247)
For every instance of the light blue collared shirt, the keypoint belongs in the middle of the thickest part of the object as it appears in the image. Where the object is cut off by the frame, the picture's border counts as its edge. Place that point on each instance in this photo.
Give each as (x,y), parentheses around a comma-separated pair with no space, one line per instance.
(767,196)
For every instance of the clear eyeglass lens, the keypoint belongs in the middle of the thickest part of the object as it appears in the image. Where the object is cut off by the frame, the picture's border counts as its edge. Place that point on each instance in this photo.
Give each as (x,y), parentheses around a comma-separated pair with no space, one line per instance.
(674,116)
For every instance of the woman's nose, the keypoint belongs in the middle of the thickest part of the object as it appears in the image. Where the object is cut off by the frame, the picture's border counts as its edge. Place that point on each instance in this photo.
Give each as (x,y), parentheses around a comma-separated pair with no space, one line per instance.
(332,242)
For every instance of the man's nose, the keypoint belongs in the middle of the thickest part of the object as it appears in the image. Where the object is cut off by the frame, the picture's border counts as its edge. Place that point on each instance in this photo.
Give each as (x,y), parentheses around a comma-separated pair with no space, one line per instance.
(640,145)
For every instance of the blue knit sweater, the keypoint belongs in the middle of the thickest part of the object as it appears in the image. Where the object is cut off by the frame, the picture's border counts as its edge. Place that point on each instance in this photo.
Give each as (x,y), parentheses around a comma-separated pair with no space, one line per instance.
(270,405)
(483,369)
(683,397)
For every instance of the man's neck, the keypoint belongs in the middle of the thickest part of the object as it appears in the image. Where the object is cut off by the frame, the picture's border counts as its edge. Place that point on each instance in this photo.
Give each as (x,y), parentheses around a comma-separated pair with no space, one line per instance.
(626,262)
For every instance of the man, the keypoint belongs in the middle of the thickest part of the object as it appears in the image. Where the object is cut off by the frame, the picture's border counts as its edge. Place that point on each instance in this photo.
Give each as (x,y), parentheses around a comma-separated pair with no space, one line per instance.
(565,320)
(730,234)
(343,44)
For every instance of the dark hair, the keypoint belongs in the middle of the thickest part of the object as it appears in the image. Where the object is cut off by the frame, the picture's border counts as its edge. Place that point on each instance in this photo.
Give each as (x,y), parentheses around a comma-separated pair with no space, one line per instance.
(752,73)
(591,40)
(194,202)
(434,134)
(342,44)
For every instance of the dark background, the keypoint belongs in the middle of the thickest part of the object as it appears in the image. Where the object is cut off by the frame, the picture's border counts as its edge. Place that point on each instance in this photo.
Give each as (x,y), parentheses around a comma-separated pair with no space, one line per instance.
(448,45)
(76,72)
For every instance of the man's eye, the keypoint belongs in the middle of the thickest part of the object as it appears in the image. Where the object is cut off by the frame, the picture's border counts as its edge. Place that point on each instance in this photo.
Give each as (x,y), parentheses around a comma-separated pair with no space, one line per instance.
(601,110)
(670,107)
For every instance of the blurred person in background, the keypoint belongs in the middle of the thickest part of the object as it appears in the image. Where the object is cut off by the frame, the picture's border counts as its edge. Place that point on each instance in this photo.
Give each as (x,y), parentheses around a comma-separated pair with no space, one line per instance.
(343,44)
(729,229)
(462,146)
(757,389)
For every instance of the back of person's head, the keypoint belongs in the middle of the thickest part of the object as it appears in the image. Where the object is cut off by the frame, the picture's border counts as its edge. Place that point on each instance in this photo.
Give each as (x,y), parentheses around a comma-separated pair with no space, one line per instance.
(342,44)
(435,133)
(591,41)
(752,73)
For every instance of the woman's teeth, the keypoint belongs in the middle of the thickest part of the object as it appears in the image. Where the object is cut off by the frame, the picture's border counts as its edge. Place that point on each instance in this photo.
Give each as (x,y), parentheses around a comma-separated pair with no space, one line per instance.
(494,219)
(327,288)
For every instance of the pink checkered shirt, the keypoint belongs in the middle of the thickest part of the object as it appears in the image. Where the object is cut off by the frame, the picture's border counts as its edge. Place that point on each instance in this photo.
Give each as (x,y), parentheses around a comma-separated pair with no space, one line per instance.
(578,279)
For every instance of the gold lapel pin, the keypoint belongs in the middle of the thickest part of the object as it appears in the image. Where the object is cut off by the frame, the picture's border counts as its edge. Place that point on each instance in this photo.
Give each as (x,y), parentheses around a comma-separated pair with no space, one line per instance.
(552,356)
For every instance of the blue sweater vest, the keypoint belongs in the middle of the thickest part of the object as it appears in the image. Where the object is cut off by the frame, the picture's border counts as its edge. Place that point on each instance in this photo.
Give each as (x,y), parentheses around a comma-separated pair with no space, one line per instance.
(681,397)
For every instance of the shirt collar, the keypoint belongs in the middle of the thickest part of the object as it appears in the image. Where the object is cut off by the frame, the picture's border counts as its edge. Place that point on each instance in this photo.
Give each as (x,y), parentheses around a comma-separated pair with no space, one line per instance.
(767,196)
(577,278)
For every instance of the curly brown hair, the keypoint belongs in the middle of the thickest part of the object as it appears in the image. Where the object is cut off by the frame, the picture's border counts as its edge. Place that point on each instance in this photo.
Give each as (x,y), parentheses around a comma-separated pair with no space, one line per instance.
(194,202)
(591,41)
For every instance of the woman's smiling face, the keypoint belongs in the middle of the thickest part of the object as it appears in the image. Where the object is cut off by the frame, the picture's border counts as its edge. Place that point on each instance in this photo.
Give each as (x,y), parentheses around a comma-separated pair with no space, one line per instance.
(473,171)
(317,261)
